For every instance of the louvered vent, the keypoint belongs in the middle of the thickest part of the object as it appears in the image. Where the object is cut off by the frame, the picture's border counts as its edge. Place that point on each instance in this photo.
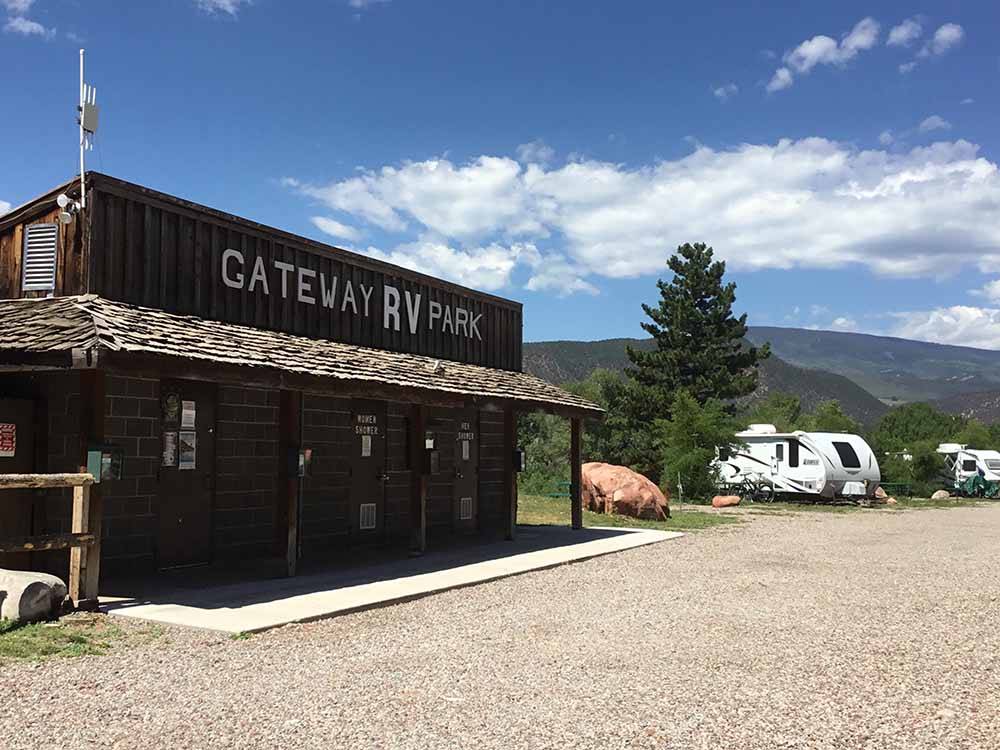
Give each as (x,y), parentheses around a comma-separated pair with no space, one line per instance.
(367,516)
(39,258)
(465,509)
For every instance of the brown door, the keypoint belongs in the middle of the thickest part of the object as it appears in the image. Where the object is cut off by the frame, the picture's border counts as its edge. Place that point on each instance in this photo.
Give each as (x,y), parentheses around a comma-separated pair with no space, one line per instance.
(466,505)
(368,469)
(187,473)
(17,456)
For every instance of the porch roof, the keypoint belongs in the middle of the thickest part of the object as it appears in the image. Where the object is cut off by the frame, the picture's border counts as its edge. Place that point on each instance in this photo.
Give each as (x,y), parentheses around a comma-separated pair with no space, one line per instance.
(86,330)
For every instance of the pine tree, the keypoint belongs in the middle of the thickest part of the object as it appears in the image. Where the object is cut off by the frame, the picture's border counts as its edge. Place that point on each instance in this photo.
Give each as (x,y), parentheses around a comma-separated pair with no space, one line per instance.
(700,345)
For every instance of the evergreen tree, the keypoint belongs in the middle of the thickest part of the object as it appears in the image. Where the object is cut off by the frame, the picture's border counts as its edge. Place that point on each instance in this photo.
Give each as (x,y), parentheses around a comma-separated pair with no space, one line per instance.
(700,345)
(689,439)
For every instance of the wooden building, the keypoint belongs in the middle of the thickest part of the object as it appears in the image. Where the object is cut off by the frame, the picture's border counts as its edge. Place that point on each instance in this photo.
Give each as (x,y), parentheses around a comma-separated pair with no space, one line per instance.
(253,393)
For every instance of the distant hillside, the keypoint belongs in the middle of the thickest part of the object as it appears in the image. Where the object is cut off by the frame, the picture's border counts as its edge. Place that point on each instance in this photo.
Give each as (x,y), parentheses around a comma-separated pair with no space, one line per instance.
(891,369)
(564,361)
(984,406)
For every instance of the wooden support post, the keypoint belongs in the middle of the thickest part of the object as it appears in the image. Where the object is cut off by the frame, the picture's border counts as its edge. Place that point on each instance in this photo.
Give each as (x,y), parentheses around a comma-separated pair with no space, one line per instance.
(418,480)
(90,498)
(509,475)
(576,472)
(78,555)
(289,485)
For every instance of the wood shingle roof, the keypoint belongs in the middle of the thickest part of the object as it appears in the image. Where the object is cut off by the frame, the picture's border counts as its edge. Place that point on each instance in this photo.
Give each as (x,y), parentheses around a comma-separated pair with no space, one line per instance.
(87,322)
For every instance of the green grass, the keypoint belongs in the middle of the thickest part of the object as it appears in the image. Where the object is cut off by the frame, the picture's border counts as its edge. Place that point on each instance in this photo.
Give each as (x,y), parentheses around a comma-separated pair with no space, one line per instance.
(555,511)
(78,635)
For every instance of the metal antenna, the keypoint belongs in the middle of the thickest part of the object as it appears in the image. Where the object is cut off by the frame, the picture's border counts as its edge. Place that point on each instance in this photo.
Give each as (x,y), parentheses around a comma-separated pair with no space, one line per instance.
(87,118)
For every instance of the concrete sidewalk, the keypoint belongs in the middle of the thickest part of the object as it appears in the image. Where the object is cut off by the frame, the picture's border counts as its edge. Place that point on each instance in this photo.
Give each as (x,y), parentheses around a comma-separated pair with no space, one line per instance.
(255,605)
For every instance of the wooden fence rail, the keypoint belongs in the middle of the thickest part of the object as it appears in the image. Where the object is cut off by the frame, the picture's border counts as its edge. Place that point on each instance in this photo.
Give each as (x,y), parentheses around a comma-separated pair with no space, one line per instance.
(84,555)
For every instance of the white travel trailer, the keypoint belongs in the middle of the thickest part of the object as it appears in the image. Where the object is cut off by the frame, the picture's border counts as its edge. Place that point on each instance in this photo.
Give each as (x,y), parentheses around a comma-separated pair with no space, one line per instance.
(823,465)
(963,462)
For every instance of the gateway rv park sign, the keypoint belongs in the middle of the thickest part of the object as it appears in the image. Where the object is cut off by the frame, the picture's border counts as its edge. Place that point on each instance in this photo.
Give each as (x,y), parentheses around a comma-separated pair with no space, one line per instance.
(305,286)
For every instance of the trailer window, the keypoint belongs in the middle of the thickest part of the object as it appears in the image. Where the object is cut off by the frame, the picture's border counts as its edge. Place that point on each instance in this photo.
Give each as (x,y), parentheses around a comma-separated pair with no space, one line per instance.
(969,464)
(992,464)
(793,453)
(779,451)
(848,457)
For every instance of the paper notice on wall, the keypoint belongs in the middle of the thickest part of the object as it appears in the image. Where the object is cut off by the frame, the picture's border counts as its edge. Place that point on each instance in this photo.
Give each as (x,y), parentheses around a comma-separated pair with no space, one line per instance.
(465,450)
(187,450)
(169,449)
(187,415)
(8,440)
(366,446)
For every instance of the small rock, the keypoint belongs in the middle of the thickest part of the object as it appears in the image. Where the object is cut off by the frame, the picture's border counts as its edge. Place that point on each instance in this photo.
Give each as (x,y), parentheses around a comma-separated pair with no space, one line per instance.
(880,493)
(941,495)
(891,501)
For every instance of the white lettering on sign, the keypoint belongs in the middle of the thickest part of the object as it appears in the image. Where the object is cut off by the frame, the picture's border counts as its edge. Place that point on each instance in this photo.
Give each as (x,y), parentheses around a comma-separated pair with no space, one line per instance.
(366,424)
(309,288)
(8,440)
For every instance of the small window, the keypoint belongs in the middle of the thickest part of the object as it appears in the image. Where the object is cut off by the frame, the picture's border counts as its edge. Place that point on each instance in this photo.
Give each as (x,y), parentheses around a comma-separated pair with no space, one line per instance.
(848,457)
(779,451)
(38,259)
(793,453)
(969,464)
(992,464)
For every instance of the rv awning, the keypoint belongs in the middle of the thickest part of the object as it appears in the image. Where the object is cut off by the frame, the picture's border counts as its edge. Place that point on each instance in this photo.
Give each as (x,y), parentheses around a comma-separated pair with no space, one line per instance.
(88,331)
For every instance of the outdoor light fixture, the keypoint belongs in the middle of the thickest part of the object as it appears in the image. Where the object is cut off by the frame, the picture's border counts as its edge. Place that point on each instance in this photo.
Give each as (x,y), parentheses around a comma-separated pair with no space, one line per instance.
(69,208)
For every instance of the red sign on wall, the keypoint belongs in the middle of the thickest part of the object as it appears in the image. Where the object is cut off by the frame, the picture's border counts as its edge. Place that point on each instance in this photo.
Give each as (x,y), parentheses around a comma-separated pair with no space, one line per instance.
(8,439)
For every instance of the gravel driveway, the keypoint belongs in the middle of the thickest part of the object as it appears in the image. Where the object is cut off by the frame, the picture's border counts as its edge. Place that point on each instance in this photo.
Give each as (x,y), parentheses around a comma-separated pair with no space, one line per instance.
(863,630)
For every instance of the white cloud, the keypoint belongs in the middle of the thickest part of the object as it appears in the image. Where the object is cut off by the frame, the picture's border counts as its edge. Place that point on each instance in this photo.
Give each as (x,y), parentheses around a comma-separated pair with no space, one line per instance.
(934,122)
(4,207)
(363,4)
(809,203)
(535,152)
(905,33)
(334,228)
(947,37)
(844,324)
(960,325)
(990,290)
(555,273)
(18,7)
(230,7)
(886,138)
(27,27)
(968,100)
(781,79)
(907,67)
(726,92)
(824,50)
(488,268)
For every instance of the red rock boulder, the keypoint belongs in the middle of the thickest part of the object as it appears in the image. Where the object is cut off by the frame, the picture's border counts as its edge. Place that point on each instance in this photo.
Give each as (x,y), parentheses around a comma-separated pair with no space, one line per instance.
(725,501)
(617,489)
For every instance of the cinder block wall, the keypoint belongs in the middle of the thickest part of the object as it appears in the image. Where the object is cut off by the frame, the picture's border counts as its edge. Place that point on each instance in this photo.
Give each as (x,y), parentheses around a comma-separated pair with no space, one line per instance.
(246,450)
(491,458)
(131,421)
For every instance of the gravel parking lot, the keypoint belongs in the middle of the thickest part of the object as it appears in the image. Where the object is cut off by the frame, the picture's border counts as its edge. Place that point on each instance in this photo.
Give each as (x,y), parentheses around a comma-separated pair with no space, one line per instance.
(815,630)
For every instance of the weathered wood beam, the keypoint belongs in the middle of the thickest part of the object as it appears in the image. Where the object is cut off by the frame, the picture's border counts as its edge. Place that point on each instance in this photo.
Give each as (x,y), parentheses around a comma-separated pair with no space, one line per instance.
(289,444)
(509,474)
(576,472)
(42,542)
(78,557)
(92,395)
(43,481)
(418,480)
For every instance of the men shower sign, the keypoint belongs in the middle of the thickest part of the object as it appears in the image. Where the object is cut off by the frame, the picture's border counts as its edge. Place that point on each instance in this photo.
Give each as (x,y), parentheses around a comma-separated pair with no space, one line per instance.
(399,310)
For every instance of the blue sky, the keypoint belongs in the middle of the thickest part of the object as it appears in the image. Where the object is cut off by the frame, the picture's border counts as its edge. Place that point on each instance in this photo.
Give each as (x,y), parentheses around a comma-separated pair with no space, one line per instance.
(842,160)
